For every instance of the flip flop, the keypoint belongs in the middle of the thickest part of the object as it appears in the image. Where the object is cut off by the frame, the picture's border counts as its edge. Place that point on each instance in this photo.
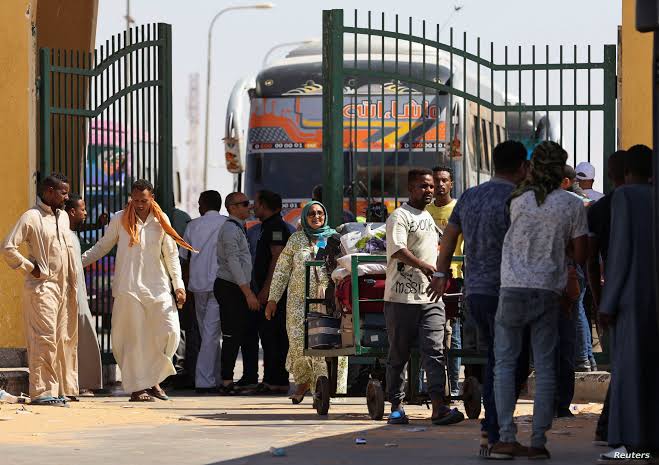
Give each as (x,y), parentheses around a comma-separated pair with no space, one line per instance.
(452,417)
(49,401)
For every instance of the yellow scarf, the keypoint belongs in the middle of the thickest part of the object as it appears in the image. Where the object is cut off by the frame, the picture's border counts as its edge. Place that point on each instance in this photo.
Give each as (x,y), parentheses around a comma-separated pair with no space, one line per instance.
(129,222)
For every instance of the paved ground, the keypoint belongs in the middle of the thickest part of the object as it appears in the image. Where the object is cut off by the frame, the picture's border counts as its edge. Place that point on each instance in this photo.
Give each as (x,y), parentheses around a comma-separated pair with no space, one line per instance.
(189,430)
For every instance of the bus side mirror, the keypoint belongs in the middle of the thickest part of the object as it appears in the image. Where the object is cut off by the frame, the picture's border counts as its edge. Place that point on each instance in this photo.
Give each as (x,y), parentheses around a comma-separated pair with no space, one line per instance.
(232,155)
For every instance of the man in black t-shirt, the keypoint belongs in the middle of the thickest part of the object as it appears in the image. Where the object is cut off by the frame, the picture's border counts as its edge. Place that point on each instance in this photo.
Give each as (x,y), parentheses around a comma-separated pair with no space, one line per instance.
(274,339)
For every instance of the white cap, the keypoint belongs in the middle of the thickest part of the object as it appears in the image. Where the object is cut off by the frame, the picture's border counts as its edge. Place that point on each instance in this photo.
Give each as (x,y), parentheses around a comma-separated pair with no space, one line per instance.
(585,171)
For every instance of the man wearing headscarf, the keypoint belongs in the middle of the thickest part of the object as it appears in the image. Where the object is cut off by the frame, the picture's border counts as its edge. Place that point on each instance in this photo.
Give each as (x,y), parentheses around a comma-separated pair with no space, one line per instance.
(145,326)
(544,221)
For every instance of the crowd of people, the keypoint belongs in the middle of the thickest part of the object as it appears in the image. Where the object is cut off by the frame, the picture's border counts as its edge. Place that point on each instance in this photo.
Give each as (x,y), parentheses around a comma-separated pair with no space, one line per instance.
(545,256)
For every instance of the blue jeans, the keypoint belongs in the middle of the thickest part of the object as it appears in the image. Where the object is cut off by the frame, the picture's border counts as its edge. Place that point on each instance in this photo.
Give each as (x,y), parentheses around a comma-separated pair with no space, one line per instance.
(482,309)
(584,346)
(567,341)
(538,309)
(453,363)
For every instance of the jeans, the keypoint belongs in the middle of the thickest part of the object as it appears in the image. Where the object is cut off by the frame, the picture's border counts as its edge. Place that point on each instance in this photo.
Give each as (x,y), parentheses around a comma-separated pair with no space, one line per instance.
(482,310)
(408,324)
(584,346)
(567,341)
(539,309)
(453,363)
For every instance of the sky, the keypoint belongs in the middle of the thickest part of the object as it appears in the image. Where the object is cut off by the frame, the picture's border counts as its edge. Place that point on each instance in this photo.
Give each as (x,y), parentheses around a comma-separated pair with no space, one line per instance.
(241,38)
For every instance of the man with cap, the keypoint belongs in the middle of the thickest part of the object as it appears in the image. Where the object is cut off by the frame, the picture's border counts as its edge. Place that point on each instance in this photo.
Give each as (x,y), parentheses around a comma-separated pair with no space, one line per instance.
(586,179)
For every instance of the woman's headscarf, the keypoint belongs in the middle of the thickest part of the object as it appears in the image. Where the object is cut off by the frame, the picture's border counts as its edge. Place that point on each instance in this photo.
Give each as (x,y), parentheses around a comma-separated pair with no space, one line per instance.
(547,162)
(129,222)
(323,231)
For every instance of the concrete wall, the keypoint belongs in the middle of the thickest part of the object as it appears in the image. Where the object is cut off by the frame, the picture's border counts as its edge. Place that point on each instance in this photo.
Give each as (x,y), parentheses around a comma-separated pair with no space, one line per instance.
(27,25)
(18,135)
(635,120)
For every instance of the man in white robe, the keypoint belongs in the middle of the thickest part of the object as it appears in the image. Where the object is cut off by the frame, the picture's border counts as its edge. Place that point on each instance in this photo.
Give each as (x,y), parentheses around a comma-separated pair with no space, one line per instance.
(90,370)
(145,326)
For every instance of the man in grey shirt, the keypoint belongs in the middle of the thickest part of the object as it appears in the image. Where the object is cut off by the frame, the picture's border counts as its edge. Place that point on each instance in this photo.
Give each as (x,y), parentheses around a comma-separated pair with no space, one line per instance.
(233,293)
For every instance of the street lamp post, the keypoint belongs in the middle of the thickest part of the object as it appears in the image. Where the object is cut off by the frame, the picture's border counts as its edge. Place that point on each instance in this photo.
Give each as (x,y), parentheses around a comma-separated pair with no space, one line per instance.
(285,44)
(257,6)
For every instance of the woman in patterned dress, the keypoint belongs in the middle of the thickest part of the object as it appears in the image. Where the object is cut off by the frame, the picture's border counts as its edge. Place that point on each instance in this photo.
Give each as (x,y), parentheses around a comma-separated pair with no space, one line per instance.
(289,272)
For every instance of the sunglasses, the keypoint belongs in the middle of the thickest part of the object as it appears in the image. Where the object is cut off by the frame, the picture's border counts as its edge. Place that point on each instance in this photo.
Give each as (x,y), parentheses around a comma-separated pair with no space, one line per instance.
(243,204)
(312,214)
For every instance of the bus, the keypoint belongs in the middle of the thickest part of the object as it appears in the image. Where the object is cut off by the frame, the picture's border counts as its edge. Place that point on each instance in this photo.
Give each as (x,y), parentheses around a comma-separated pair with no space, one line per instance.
(274,126)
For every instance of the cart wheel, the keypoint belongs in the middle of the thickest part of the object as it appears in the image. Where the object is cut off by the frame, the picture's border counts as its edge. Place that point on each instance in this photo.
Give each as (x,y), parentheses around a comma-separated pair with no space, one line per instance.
(471,395)
(375,399)
(321,398)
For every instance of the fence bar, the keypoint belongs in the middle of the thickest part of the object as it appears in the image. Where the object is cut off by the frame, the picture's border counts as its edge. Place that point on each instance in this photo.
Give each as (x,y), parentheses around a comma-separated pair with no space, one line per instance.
(333,119)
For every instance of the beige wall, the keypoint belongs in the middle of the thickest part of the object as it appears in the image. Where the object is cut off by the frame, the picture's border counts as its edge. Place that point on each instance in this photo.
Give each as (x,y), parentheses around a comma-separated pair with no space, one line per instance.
(635,124)
(67,24)
(18,133)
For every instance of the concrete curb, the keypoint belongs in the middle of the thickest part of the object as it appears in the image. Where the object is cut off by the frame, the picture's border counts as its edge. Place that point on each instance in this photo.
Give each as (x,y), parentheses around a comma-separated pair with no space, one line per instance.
(588,386)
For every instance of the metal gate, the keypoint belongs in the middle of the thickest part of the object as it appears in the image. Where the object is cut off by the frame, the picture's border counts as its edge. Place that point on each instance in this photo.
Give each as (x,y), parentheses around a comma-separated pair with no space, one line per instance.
(105,121)
(397,97)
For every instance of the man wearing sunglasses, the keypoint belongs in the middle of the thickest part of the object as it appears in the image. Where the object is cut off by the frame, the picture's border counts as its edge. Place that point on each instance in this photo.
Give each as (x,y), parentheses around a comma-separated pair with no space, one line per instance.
(233,293)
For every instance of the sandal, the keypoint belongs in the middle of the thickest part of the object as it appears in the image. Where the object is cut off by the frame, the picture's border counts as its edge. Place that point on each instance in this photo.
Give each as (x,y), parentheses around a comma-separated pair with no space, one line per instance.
(297,398)
(50,401)
(158,393)
(141,396)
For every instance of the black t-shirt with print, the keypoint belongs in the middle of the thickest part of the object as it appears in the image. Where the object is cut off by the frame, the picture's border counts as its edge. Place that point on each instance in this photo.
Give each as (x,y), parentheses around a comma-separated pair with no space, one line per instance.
(274,231)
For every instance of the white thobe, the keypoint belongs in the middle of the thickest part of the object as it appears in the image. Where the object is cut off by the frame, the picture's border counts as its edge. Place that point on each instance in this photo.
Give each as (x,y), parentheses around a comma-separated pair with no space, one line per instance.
(201,233)
(90,369)
(145,326)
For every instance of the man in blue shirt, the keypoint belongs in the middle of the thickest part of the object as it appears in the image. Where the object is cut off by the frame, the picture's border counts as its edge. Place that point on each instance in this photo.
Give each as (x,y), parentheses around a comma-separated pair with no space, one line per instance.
(480,215)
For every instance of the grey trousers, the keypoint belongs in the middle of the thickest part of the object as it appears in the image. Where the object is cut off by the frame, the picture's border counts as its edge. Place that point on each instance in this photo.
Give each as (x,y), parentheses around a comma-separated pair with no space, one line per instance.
(410,325)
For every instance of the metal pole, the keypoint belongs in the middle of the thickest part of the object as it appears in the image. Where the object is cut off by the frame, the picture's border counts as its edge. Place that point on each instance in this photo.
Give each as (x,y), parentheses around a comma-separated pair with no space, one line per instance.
(259,6)
(333,157)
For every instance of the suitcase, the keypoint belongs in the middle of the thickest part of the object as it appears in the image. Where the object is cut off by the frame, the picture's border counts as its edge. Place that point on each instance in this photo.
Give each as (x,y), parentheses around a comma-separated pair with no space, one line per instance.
(370,287)
(323,331)
(372,329)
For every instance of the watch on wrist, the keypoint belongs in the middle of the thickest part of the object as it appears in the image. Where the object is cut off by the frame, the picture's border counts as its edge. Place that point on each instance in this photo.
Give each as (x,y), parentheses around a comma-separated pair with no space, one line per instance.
(439,274)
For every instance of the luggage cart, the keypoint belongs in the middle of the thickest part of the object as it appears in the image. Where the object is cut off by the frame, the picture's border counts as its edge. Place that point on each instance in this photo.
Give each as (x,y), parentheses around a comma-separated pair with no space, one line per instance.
(375,357)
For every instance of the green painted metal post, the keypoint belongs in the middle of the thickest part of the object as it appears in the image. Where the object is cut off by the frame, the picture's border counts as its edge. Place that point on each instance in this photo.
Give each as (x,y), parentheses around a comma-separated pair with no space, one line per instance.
(165,147)
(333,180)
(609,123)
(45,161)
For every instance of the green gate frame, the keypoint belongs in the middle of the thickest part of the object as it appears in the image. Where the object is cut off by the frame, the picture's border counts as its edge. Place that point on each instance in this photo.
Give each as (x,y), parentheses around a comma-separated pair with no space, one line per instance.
(126,84)
(336,72)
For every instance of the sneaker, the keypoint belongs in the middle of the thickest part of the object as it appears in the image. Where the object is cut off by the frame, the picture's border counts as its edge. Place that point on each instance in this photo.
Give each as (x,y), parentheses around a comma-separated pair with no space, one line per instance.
(582,366)
(539,453)
(593,364)
(398,416)
(507,451)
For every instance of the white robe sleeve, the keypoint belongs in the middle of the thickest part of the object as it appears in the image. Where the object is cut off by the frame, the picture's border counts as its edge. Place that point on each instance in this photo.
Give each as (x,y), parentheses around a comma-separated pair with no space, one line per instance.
(172,263)
(104,244)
